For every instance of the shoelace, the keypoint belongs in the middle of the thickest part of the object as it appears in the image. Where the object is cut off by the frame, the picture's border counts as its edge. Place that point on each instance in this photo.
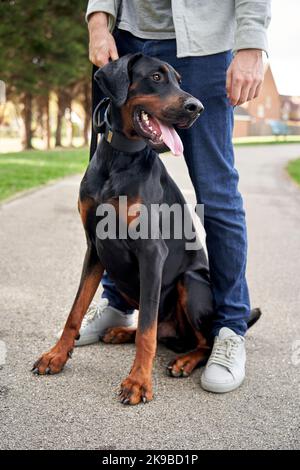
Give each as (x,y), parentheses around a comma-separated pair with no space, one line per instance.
(224,352)
(95,311)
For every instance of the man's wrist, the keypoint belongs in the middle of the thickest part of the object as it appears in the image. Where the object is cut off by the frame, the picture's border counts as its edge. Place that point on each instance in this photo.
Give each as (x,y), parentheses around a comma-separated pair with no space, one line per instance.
(258,52)
(98,19)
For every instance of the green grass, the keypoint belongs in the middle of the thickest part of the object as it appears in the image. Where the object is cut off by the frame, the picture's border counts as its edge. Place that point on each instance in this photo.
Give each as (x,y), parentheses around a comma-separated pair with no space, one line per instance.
(266,140)
(24,170)
(293,169)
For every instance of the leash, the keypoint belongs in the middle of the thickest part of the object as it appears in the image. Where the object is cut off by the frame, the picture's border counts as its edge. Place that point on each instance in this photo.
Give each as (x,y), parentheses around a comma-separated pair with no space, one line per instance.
(114,137)
(96,97)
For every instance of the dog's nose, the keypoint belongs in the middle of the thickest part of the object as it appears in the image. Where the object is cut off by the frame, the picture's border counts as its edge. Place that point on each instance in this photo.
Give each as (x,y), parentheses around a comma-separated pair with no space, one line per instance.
(193,106)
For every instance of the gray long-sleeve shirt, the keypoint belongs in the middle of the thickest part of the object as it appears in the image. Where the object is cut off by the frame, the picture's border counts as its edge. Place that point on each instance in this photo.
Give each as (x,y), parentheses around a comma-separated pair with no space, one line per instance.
(201,27)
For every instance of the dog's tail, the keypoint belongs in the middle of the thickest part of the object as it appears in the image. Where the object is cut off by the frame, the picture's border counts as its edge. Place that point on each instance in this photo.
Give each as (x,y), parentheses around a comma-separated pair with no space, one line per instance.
(255,315)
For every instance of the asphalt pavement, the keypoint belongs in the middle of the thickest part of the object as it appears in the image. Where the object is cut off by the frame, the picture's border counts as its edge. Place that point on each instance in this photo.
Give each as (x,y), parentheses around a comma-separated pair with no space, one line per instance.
(42,245)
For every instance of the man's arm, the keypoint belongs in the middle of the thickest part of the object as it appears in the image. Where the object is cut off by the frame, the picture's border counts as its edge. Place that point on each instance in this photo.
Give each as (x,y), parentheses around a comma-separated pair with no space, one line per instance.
(245,73)
(101,18)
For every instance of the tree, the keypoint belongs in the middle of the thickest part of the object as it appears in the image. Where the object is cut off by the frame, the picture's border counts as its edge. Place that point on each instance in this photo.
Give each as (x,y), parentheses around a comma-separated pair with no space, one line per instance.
(43,49)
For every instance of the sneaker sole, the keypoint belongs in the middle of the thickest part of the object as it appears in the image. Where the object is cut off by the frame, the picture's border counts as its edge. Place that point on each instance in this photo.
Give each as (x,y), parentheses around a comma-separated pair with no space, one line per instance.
(83,340)
(92,339)
(86,341)
(220,388)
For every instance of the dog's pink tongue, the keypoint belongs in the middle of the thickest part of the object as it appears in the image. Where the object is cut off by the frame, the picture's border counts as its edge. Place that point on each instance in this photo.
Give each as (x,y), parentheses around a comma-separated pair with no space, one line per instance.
(171,139)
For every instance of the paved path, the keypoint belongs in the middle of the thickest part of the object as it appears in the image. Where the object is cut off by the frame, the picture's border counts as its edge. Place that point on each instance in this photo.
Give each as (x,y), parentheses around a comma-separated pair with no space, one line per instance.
(41,250)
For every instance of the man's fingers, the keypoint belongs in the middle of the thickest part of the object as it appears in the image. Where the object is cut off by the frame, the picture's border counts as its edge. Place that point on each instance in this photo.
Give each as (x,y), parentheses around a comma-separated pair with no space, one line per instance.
(258,88)
(244,76)
(103,60)
(249,91)
(102,46)
(252,90)
(244,96)
(100,54)
(235,91)
(113,51)
(99,58)
(228,82)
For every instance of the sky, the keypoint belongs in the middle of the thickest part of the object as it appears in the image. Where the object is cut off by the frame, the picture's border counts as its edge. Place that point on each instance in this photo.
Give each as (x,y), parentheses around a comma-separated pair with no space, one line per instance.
(284,45)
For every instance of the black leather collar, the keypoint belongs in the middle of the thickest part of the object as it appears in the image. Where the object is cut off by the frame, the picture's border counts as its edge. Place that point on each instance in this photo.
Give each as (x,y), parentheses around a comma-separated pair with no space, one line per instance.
(115,138)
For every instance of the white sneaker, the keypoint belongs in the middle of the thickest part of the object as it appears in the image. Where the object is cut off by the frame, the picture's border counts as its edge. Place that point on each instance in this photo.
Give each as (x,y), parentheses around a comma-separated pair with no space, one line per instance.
(99,317)
(225,369)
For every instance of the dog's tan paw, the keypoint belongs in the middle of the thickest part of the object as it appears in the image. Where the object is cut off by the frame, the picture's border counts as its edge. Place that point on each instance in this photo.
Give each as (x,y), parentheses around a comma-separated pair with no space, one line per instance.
(119,335)
(134,391)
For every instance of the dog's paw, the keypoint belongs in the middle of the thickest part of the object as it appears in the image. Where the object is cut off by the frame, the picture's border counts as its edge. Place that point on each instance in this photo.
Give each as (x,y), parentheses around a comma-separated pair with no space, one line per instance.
(183,366)
(52,362)
(179,368)
(134,391)
(119,334)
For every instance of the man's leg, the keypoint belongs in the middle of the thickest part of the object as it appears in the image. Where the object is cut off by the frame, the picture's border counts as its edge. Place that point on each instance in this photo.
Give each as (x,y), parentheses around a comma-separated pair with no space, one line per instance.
(210,159)
(111,293)
(209,156)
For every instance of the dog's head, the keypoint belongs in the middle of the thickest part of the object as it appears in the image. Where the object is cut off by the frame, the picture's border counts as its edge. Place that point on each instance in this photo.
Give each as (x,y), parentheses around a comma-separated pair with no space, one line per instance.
(151,103)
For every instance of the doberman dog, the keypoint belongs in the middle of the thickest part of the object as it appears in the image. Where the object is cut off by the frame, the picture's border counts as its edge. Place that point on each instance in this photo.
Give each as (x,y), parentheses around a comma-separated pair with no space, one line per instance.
(168,283)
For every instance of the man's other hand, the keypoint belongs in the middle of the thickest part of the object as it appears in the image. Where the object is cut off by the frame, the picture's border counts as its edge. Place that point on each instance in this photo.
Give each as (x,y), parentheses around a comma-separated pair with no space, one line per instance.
(245,76)
(102,45)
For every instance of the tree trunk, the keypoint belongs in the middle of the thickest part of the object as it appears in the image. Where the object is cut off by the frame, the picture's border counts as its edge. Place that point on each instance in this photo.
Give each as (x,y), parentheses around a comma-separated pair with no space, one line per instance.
(70,125)
(2,112)
(43,118)
(40,130)
(27,117)
(48,128)
(62,104)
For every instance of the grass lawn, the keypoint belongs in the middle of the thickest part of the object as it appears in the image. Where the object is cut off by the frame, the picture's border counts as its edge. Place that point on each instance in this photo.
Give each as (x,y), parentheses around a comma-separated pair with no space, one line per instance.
(294,169)
(266,140)
(25,170)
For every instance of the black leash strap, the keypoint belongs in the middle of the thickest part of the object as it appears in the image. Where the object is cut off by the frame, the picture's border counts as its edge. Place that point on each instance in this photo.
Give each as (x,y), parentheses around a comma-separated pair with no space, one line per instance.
(96,98)
(99,122)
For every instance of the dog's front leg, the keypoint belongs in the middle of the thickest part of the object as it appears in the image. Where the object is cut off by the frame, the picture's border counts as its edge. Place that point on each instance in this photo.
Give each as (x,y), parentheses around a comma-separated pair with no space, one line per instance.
(54,360)
(137,386)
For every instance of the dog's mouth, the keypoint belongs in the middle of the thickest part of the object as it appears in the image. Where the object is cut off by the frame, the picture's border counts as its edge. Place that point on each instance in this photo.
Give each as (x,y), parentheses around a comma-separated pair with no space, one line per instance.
(160,135)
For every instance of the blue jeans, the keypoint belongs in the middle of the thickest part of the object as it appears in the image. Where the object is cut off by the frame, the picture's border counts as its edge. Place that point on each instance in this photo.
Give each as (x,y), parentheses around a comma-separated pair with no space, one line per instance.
(208,153)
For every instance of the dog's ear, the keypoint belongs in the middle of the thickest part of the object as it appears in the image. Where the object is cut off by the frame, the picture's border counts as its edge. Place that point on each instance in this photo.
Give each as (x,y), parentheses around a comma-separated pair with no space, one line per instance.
(114,78)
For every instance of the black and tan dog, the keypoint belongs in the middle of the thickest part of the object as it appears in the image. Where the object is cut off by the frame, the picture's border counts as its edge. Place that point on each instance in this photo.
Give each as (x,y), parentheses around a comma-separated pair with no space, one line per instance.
(168,283)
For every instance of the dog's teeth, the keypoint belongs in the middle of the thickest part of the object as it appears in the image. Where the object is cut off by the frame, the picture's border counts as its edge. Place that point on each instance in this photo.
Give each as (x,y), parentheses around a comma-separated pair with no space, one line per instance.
(151,128)
(160,137)
(154,132)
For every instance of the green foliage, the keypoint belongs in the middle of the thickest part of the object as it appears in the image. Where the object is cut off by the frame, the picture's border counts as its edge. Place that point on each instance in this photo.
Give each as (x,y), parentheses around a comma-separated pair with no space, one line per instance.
(43,45)
(294,170)
(25,170)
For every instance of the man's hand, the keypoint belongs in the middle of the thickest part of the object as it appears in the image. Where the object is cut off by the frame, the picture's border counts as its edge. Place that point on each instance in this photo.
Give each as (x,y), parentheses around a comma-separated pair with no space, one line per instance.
(245,76)
(102,44)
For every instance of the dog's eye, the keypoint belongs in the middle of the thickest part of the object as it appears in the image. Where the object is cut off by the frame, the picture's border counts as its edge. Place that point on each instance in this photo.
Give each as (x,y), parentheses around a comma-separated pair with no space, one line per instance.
(156,77)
